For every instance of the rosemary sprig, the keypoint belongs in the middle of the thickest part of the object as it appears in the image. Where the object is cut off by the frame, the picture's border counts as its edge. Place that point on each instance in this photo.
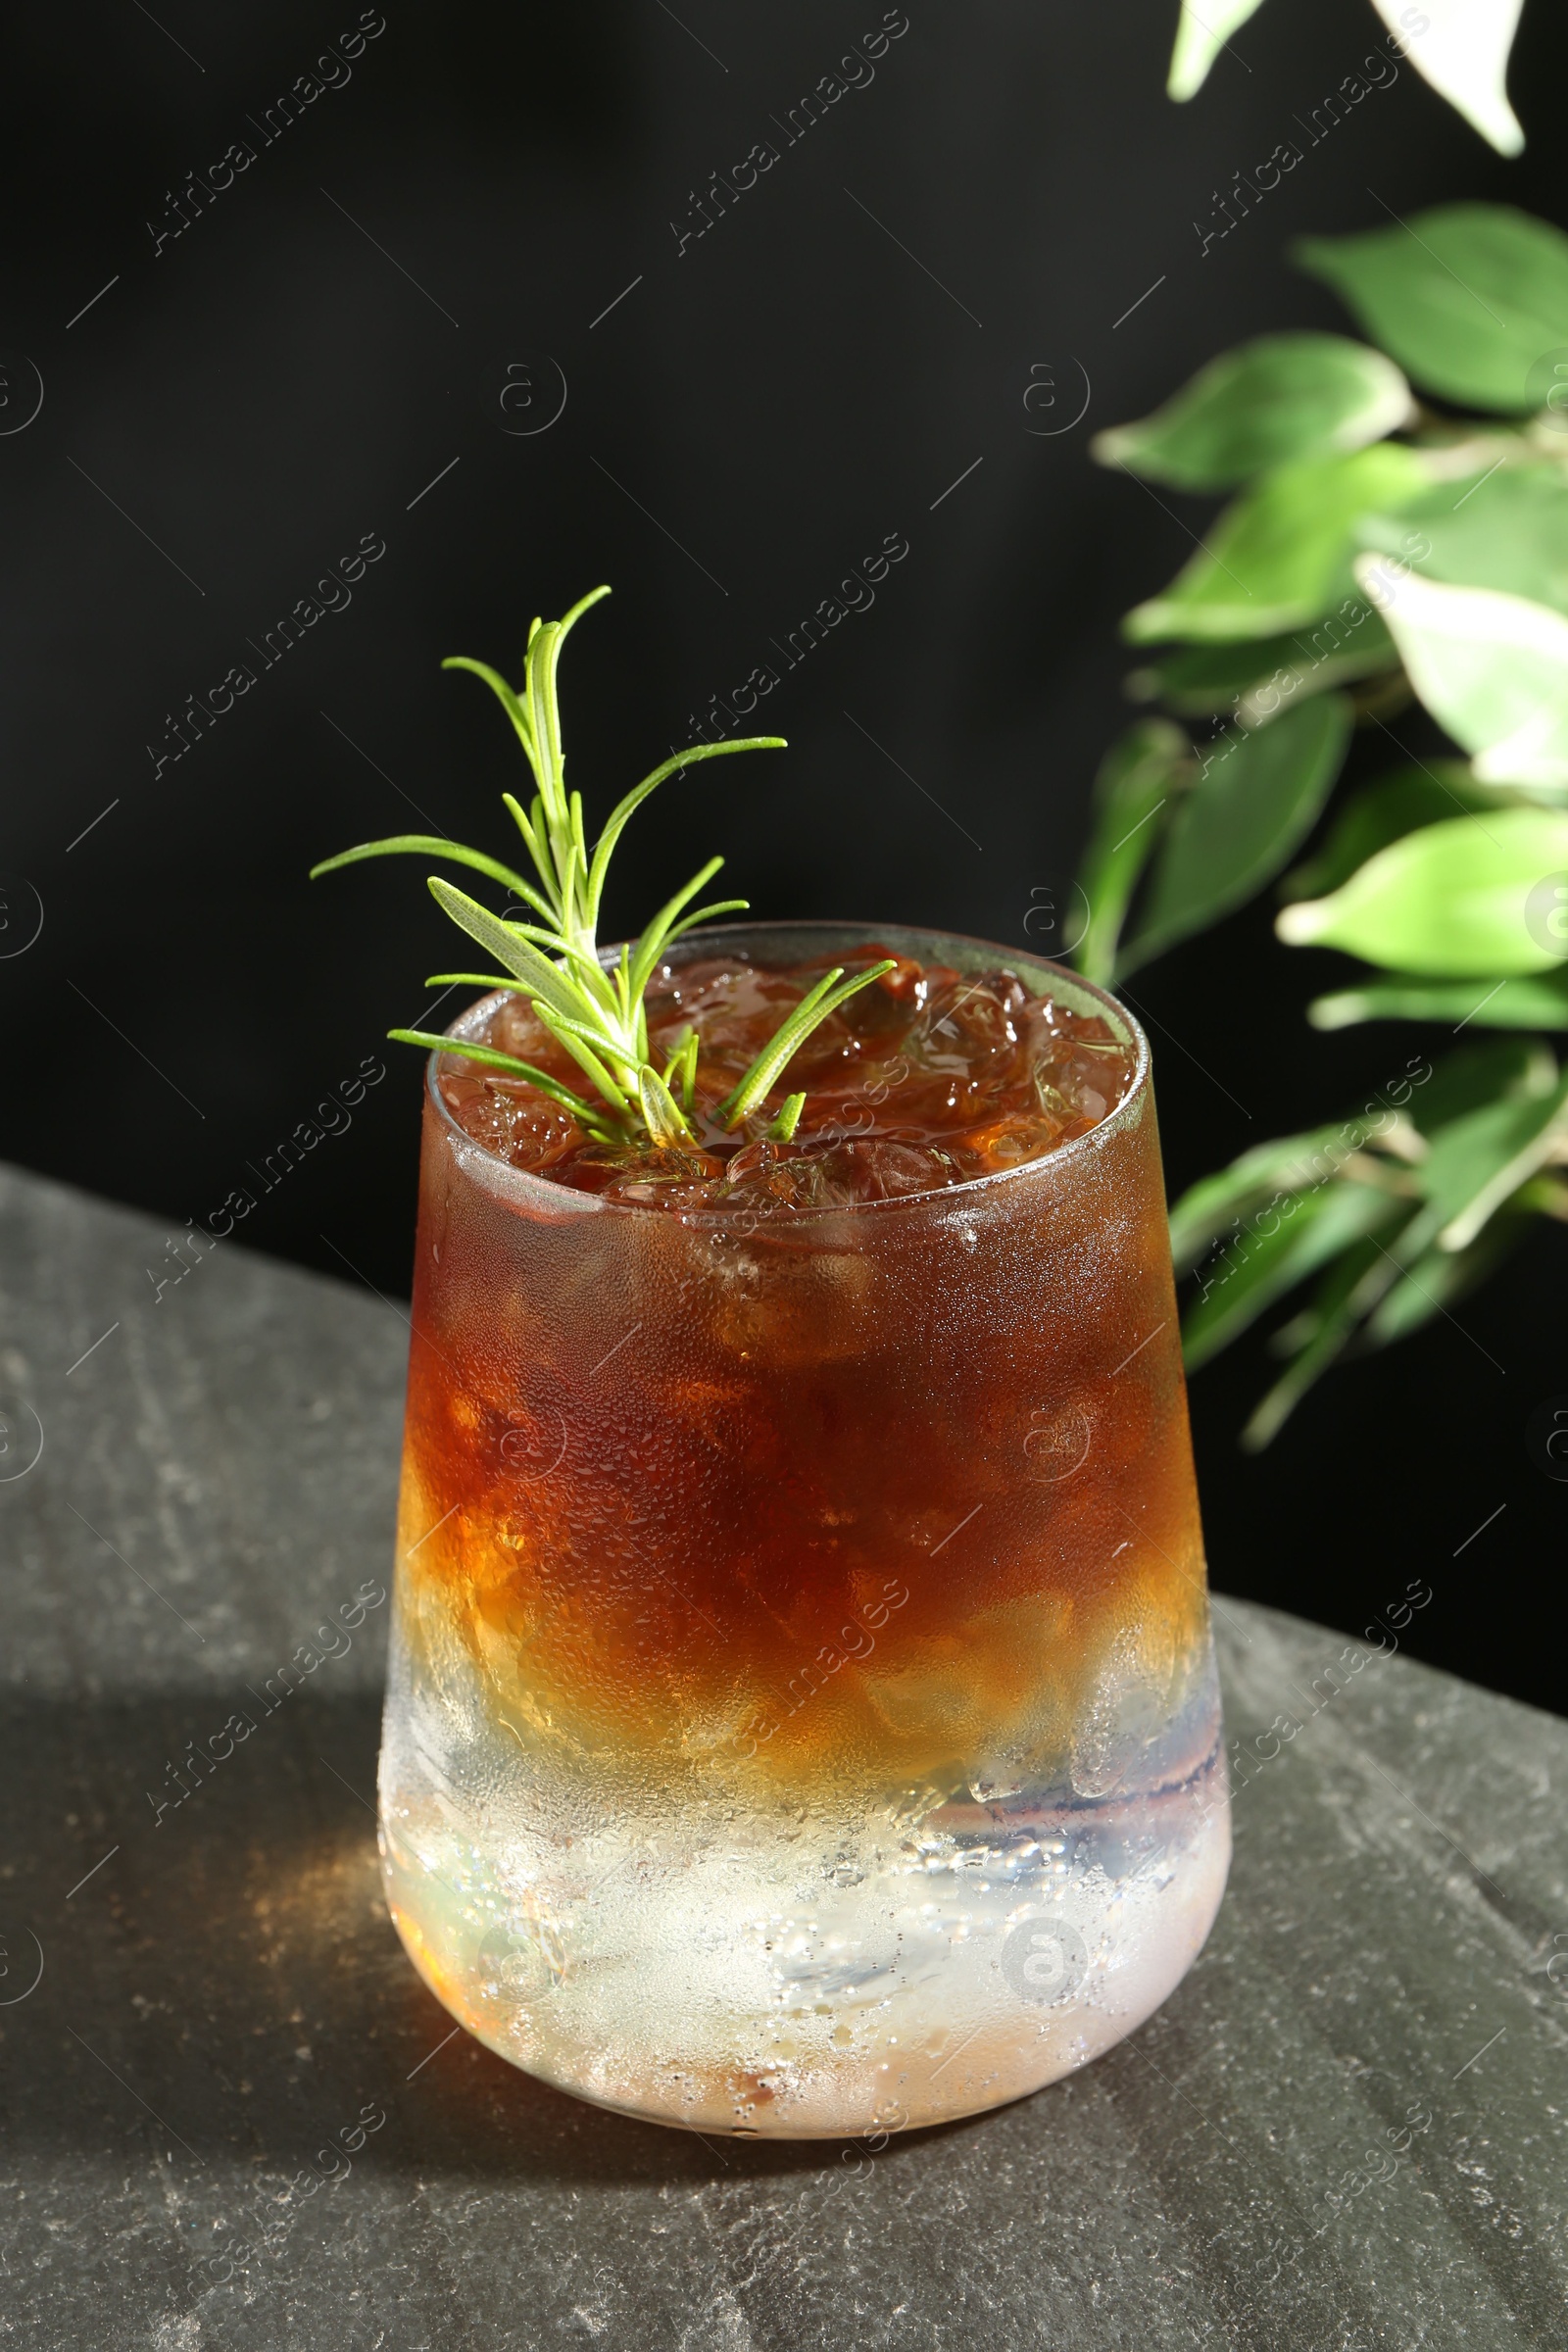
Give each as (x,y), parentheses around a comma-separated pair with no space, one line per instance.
(596,1015)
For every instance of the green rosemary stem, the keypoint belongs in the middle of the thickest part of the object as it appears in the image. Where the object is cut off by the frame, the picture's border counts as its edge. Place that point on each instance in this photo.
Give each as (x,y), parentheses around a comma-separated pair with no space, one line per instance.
(598,1016)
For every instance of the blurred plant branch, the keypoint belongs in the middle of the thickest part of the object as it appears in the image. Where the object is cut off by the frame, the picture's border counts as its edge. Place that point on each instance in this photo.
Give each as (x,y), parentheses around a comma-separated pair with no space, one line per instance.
(1379,549)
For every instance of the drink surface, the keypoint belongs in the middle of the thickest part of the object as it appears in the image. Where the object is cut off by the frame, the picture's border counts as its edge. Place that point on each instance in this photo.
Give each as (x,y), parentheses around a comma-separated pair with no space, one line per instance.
(926,1078)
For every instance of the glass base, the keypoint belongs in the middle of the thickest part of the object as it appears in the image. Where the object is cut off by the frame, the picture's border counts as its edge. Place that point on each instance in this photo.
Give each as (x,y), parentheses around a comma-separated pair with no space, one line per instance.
(802,1972)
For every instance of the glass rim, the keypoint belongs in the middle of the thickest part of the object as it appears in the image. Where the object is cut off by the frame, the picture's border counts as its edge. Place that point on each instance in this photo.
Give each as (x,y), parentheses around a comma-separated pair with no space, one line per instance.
(559,1200)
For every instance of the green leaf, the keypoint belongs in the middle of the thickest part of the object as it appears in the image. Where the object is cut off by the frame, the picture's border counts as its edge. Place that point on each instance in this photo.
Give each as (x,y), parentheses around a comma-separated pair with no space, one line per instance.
(1355,645)
(706,915)
(1137,777)
(1462,50)
(490,1058)
(1478,1162)
(434,845)
(506,696)
(1280,398)
(1449,900)
(1522,1002)
(563,819)
(1493,1069)
(1258,1267)
(662,1114)
(784,1125)
(542,979)
(682,1068)
(1467,297)
(829,993)
(1394,1298)
(570,1034)
(658,931)
(471,979)
(1389,808)
(1491,668)
(1259,679)
(531,838)
(1494,1114)
(1195,680)
(615,822)
(1504,529)
(1342,1299)
(1281,555)
(1251,807)
(1288,1164)
(1199,38)
(1440,1278)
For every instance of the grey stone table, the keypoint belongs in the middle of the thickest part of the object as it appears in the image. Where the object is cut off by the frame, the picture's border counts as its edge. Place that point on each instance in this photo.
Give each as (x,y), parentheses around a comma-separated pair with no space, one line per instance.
(1345,2130)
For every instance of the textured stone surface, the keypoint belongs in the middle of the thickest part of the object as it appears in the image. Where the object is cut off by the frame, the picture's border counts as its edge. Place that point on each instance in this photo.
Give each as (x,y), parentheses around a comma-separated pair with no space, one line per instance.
(1345,2130)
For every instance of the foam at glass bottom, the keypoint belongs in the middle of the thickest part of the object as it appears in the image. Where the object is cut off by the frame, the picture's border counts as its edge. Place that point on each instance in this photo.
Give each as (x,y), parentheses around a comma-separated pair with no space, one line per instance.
(802,1972)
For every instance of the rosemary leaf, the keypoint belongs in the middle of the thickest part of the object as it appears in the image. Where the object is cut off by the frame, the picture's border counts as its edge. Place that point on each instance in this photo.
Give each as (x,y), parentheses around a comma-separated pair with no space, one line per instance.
(662,1113)
(492,1059)
(706,915)
(682,1065)
(434,845)
(830,992)
(536,849)
(616,821)
(473,979)
(586,1058)
(591,1033)
(502,693)
(598,985)
(541,977)
(658,931)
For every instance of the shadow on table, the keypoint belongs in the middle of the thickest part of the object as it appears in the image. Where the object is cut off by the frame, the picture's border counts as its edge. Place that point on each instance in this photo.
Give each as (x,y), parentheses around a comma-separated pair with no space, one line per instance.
(223,1978)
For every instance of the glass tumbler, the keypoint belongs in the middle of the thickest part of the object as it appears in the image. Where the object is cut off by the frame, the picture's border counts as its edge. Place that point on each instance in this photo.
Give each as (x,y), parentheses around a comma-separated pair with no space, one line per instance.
(801,1713)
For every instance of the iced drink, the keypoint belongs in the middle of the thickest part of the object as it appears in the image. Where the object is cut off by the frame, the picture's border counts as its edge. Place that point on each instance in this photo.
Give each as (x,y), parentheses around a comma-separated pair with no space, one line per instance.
(803,1716)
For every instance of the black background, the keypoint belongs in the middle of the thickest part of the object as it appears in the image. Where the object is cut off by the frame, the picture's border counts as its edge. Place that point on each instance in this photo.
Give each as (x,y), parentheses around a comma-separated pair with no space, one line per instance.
(314,358)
